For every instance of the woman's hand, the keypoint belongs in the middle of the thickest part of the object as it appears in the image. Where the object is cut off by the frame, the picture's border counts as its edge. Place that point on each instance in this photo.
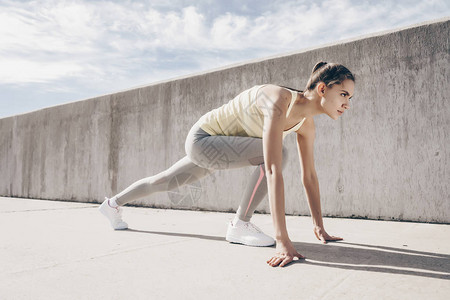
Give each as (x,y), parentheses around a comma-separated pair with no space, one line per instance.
(323,236)
(285,254)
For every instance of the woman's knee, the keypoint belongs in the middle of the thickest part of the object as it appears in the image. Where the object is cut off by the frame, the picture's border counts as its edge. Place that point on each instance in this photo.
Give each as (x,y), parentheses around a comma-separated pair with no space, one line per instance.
(188,145)
(194,153)
(191,149)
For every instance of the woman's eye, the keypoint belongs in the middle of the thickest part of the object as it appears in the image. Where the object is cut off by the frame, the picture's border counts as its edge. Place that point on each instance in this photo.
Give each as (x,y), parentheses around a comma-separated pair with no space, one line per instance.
(349,99)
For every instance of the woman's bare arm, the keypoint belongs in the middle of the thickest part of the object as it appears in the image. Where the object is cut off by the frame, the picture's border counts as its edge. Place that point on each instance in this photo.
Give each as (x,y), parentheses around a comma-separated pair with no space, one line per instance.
(274,103)
(305,145)
(275,107)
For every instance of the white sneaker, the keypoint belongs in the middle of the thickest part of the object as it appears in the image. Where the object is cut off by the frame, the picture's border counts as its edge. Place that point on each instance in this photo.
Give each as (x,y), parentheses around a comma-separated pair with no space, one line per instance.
(114,215)
(248,234)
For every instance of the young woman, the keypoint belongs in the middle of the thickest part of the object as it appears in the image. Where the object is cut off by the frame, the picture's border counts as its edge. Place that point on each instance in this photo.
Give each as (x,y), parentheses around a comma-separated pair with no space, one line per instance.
(249,131)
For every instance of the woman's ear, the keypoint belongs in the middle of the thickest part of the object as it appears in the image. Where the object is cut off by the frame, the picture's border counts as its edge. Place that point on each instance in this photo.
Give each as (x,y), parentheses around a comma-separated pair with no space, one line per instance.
(321,88)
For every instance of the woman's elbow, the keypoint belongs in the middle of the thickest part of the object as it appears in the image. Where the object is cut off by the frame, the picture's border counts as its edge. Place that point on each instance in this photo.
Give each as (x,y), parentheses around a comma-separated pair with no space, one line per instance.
(310,177)
(274,170)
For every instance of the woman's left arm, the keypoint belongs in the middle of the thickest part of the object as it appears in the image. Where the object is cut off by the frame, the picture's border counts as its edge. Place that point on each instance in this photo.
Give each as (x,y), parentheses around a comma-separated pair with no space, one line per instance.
(305,145)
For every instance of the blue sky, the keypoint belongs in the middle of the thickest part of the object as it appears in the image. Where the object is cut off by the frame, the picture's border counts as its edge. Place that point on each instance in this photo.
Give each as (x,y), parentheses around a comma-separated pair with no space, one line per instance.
(54,52)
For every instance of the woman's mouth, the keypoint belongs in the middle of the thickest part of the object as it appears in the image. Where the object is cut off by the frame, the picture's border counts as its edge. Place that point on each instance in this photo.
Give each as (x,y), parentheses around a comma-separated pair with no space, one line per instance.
(340,112)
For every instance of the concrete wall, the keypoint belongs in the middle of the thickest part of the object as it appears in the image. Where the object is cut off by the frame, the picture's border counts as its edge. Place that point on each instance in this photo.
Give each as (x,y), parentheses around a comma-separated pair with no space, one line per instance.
(387,158)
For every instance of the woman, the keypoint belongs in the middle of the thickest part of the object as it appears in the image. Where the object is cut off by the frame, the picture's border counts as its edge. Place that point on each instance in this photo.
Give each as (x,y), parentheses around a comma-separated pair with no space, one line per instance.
(249,131)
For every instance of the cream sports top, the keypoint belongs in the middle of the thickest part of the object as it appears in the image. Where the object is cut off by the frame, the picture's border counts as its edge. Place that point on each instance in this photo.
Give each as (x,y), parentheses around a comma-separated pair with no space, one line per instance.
(241,116)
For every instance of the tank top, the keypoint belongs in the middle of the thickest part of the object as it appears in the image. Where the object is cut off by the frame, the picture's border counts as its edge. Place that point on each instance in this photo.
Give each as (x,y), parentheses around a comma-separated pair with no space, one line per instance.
(241,116)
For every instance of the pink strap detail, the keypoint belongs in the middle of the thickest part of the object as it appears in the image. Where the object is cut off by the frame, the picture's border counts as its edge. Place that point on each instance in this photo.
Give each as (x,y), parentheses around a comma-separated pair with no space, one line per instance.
(116,208)
(261,175)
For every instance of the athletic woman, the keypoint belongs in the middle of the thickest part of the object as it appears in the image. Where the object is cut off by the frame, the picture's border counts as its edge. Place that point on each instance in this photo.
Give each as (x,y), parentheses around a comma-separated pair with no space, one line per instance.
(249,131)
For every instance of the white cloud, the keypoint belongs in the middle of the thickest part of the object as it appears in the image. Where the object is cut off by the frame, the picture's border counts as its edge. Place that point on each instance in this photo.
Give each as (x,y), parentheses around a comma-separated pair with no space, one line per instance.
(112,44)
(227,32)
(35,71)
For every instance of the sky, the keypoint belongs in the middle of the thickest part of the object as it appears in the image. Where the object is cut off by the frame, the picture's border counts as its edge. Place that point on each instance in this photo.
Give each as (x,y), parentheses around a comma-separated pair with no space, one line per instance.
(54,52)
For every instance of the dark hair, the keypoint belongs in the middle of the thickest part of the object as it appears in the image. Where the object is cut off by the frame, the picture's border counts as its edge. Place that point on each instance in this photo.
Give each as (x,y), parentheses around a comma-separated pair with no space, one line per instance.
(328,73)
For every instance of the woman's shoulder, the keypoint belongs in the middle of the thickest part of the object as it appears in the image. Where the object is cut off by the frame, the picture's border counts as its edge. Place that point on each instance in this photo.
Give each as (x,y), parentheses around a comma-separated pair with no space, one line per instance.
(275,90)
(279,90)
(273,95)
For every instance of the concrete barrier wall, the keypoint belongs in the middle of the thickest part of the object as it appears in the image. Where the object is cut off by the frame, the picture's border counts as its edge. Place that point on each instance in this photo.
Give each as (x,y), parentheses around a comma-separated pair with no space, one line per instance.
(387,158)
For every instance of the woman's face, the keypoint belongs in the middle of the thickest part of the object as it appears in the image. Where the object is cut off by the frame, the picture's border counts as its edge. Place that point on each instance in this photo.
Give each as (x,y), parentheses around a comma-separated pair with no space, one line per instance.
(335,100)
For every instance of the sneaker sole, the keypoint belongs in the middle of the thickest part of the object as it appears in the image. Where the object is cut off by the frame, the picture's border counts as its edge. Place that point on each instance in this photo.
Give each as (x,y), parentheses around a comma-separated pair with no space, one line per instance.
(234,240)
(120,228)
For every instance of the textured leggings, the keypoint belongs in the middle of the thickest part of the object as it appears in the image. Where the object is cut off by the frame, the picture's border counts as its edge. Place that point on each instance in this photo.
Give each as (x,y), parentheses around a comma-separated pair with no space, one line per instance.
(205,154)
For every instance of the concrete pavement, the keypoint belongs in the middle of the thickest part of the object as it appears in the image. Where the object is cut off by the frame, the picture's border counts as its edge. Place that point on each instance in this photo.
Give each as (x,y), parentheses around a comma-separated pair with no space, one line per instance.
(66,250)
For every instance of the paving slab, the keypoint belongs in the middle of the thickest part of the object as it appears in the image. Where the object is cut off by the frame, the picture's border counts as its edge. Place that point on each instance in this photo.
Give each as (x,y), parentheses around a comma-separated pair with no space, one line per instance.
(67,250)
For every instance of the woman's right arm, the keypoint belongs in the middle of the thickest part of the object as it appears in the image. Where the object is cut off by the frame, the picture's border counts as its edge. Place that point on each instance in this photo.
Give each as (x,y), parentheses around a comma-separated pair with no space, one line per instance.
(275,107)
(274,101)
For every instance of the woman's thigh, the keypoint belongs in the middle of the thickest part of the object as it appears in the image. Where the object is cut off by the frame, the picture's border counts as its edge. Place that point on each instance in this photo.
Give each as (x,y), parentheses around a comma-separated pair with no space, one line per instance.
(223,152)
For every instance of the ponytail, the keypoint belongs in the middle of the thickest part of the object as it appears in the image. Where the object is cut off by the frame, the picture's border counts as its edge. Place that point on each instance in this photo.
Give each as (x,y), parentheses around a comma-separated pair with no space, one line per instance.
(328,73)
(318,65)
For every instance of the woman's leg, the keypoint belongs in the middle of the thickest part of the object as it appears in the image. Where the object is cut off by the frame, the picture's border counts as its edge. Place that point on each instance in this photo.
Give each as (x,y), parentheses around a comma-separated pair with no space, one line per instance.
(255,191)
(205,153)
(219,152)
(182,172)
(227,152)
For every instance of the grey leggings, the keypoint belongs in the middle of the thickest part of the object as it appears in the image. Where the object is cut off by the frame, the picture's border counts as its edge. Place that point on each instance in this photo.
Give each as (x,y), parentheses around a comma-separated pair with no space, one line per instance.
(205,154)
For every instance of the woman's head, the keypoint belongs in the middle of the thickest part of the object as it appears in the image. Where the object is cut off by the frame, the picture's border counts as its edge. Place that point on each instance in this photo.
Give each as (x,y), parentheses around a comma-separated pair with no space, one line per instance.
(328,73)
(334,84)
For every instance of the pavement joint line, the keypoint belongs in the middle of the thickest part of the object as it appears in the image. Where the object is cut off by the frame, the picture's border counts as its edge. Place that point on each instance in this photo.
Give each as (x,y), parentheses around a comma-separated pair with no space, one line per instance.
(380,267)
(43,209)
(399,251)
(94,257)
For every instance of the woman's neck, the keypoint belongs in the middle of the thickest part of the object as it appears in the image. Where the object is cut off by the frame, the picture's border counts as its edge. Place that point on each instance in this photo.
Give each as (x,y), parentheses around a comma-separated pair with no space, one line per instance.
(309,103)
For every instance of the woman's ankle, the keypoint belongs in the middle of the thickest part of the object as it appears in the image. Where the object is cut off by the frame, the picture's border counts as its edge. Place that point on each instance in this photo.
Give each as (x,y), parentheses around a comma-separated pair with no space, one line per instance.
(237,220)
(113,202)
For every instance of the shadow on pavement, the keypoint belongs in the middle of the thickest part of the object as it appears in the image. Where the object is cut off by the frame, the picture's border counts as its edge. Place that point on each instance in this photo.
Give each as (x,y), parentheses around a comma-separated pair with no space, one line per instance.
(376,259)
(205,237)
